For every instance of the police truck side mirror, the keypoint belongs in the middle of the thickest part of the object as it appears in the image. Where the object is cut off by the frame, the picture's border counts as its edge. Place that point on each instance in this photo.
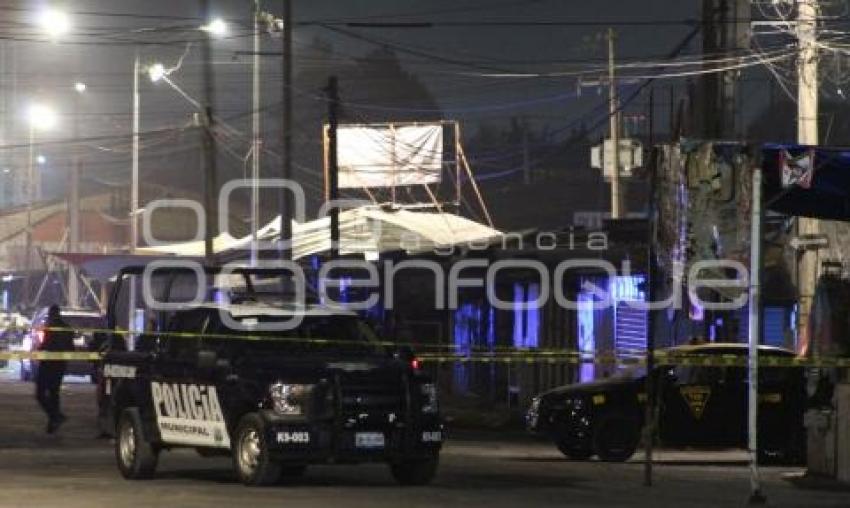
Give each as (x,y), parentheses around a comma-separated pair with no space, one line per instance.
(100,341)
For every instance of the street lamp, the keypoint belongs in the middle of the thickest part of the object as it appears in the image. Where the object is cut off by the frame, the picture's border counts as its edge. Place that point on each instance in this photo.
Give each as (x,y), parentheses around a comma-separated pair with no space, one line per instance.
(216,27)
(55,23)
(41,117)
(73,244)
(156,72)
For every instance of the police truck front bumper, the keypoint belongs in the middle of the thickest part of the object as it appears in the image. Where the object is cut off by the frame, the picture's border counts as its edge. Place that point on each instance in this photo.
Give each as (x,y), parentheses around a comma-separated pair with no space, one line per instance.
(358,440)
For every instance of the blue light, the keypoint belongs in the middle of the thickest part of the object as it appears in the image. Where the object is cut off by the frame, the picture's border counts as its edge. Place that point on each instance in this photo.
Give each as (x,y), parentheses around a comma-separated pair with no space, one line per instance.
(344,285)
(586,336)
(467,321)
(491,328)
(467,326)
(526,320)
(629,333)
(519,329)
(532,328)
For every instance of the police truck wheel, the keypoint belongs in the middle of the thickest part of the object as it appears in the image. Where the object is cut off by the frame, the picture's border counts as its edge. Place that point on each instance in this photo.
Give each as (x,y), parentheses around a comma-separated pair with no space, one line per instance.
(615,438)
(135,456)
(414,472)
(251,458)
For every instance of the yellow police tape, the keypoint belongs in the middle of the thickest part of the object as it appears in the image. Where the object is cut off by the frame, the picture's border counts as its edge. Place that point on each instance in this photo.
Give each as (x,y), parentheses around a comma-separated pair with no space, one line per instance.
(503,354)
(661,359)
(49,355)
(525,357)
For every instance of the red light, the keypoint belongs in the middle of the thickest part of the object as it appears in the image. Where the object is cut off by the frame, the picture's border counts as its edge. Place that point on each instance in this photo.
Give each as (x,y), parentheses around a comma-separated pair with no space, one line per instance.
(415,364)
(39,337)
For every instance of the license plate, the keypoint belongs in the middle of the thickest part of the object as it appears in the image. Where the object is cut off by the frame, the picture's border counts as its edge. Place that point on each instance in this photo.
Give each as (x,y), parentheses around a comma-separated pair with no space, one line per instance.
(369,440)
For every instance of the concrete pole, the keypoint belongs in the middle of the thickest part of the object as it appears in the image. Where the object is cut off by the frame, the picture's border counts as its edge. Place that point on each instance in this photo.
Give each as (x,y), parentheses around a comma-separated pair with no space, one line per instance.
(74,210)
(208,151)
(286,210)
(807,134)
(756,496)
(332,94)
(134,184)
(613,110)
(30,198)
(255,136)
(526,154)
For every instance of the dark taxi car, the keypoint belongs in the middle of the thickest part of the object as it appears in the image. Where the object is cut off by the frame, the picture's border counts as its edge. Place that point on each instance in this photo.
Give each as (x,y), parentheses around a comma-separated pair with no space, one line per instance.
(276,401)
(698,406)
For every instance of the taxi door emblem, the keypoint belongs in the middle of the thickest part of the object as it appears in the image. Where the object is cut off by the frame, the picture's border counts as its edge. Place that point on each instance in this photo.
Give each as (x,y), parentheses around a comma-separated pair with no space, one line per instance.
(696,397)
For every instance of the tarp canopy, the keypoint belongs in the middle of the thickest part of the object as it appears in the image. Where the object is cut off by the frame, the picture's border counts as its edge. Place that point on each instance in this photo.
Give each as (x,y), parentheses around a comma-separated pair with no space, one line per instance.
(103,267)
(807,181)
(366,230)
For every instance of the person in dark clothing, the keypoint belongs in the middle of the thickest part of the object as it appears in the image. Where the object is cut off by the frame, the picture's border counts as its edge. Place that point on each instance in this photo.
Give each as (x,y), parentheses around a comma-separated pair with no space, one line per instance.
(57,337)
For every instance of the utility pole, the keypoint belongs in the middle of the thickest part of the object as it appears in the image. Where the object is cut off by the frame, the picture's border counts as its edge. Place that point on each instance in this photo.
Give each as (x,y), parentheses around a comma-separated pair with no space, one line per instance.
(614,117)
(651,285)
(286,201)
(255,137)
(74,208)
(208,156)
(754,336)
(807,134)
(526,155)
(30,199)
(134,170)
(332,93)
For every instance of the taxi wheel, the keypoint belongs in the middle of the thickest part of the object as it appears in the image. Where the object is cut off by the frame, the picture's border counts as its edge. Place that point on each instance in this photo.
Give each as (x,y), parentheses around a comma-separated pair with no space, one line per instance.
(615,438)
(251,459)
(414,472)
(572,451)
(136,457)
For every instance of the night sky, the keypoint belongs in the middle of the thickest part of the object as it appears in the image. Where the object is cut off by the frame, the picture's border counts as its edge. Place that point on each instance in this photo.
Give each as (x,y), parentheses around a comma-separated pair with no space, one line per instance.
(101,50)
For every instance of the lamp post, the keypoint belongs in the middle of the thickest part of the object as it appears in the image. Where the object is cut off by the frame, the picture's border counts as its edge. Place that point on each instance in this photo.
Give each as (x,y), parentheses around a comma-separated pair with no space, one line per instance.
(134,165)
(157,72)
(40,118)
(255,136)
(74,201)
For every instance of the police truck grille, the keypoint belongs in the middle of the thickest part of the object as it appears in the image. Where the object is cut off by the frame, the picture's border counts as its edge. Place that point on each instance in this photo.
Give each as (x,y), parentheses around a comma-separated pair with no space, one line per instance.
(370,398)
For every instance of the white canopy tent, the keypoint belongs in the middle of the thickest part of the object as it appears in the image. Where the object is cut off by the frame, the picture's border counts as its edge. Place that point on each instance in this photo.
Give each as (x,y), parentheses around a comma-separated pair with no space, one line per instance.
(365,230)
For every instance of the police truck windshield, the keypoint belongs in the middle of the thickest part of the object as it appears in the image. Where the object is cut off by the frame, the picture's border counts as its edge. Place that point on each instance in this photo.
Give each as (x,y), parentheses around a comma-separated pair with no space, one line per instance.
(332,334)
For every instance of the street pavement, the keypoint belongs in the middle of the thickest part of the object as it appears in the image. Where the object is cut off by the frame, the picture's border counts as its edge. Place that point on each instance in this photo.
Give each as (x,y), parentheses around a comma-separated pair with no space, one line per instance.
(74,469)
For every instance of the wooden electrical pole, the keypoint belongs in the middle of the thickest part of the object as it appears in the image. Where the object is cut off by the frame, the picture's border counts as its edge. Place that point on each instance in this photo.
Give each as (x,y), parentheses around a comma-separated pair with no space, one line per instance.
(614,113)
(286,173)
(208,160)
(807,134)
(332,93)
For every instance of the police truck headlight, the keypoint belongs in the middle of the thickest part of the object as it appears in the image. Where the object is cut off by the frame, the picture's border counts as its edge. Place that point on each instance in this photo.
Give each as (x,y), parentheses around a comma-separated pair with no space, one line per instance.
(429,398)
(289,399)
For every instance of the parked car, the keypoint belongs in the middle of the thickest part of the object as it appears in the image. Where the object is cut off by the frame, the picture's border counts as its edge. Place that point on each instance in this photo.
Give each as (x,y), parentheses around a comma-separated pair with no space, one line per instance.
(13,327)
(697,406)
(84,322)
